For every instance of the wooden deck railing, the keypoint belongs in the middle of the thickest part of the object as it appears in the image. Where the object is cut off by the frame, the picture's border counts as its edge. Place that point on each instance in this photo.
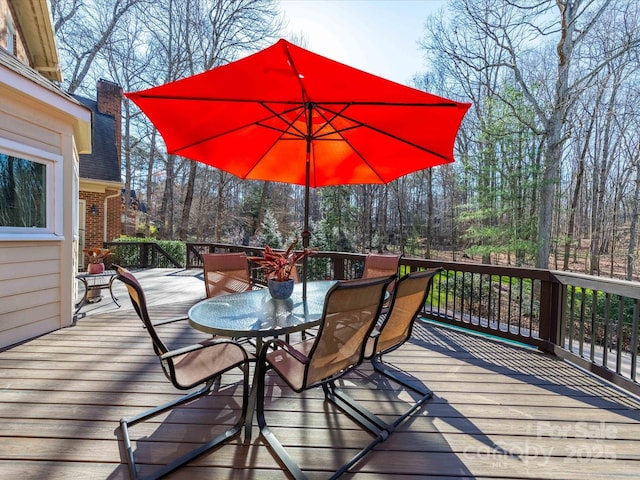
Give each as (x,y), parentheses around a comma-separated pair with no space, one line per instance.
(598,326)
(141,255)
(591,321)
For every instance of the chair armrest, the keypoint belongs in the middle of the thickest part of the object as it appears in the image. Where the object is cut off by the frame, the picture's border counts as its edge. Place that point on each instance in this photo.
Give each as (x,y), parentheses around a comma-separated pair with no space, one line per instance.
(299,356)
(183,350)
(198,346)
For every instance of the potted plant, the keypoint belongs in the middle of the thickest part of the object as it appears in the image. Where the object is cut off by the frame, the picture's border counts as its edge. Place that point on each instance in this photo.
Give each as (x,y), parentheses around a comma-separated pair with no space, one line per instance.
(96,259)
(278,266)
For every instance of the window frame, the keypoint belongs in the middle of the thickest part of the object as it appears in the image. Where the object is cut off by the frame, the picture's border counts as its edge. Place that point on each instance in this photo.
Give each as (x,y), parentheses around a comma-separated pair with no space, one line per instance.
(53,163)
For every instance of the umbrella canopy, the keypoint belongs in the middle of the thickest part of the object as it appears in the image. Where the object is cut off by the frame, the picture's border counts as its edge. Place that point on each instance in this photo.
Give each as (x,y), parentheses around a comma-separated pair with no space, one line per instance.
(289,115)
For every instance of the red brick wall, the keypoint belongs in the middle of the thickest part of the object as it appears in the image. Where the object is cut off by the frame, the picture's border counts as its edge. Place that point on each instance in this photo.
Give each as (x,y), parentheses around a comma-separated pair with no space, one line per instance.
(114,215)
(94,224)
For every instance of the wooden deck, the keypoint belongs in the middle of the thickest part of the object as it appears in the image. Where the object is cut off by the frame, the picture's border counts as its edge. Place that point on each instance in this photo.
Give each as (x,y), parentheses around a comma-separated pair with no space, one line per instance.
(499,411)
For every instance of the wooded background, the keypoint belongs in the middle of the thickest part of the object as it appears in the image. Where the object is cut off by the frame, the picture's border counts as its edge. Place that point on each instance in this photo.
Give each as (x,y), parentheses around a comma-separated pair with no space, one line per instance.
(547,169)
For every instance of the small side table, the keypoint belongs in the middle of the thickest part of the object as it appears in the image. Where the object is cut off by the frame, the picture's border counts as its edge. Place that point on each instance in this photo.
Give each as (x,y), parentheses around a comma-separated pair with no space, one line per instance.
(94,282)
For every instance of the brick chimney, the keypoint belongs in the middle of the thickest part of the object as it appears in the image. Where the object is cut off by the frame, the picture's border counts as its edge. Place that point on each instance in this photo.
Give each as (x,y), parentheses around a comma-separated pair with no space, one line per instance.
(110,103)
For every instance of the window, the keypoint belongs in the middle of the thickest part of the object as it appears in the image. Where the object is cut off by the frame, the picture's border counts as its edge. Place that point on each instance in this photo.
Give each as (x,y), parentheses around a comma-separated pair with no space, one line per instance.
(31,193)
(23,192)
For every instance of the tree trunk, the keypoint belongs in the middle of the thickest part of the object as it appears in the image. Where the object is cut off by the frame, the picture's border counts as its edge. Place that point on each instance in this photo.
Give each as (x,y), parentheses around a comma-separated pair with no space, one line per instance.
(149,193)
(262,207)
(578,187)
(429,232)
(166,209)
(183,230)
(631,249)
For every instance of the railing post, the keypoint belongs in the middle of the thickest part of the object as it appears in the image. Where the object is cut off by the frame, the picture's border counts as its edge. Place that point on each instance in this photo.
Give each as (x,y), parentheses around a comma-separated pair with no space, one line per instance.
(187,259)
(550,310)
(338,268)
(144,247)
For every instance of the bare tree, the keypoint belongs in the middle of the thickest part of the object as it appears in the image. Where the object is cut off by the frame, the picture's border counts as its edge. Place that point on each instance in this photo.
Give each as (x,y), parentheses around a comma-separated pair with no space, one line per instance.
(518,32)
(83,30)
(217,33)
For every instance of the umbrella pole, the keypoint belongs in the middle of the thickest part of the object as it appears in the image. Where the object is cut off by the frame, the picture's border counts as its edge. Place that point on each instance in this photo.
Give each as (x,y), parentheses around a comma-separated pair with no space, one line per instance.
(305,239)
(307,175)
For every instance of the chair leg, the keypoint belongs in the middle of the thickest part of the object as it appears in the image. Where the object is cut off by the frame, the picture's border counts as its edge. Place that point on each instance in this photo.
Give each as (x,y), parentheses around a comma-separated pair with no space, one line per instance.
(360,415)
(267,435)
(351,408)
(125,423)
(425,394)
(342,401)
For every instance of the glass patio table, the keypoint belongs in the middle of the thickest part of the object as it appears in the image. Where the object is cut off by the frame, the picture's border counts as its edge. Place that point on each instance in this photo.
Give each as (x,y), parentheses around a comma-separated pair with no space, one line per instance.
(255,315)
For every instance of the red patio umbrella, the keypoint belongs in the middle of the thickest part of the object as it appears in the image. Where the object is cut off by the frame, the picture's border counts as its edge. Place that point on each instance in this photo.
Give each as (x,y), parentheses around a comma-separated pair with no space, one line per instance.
(286,114)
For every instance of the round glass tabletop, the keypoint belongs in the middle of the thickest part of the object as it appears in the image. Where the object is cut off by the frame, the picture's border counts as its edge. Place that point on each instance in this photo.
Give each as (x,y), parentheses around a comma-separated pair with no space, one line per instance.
(257,314)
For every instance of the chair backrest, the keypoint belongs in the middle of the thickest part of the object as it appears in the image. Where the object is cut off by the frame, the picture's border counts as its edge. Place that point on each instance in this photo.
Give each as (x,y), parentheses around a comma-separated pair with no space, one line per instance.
(350,312)
(408,300)
(136,294)
(379,265)
(226,273)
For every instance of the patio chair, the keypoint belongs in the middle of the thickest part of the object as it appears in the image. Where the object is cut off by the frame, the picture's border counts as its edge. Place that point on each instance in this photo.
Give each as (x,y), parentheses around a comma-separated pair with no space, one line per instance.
(350,311)
(408,301)
(382,265)
(379,265)
(226,273)
(201,364)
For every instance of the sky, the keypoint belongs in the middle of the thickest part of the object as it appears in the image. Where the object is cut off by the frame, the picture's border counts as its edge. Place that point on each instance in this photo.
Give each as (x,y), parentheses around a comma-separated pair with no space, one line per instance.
(378,36)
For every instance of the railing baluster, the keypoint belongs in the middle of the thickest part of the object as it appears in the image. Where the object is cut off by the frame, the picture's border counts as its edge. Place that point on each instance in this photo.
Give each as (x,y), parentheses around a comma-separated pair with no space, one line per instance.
(521,299)
(594,307)
(620,335)
(583,301)
(634,341)
(570,317)
(606,347)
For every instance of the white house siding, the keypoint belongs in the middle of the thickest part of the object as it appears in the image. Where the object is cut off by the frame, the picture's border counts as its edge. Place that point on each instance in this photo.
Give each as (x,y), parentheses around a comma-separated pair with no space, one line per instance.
(31,290)
(37,270)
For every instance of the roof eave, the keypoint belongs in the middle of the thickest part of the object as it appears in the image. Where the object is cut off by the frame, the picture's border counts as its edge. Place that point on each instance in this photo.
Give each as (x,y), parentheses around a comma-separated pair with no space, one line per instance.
(35,22)
(55,98)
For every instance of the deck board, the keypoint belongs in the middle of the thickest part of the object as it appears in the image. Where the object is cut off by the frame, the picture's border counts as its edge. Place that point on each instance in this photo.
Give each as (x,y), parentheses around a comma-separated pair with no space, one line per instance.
(498,411)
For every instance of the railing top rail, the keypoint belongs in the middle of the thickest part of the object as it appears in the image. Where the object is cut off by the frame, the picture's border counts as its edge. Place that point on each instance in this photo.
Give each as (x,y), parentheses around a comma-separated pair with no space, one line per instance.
(615,286)
(503,270)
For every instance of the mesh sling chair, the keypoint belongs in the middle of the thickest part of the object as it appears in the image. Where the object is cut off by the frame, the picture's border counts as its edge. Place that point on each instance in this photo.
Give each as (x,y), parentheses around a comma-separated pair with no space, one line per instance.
(379,265)
(188,367)
(408,301)
(225,273)
(349,315)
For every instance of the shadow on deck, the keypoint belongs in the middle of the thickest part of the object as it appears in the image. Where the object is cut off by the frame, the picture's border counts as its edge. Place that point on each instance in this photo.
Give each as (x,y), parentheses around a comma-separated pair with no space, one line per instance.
(499,410)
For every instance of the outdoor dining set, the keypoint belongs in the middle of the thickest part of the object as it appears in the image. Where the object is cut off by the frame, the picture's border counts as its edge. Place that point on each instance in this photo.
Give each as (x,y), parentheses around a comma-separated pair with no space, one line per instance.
(340,325)
(286,114)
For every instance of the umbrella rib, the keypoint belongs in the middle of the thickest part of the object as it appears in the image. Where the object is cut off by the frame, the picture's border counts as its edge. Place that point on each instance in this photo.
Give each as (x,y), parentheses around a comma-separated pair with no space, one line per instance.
(340,132)
(227,132)
(358,124)
(328,121)
(290,124)
(387,134)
